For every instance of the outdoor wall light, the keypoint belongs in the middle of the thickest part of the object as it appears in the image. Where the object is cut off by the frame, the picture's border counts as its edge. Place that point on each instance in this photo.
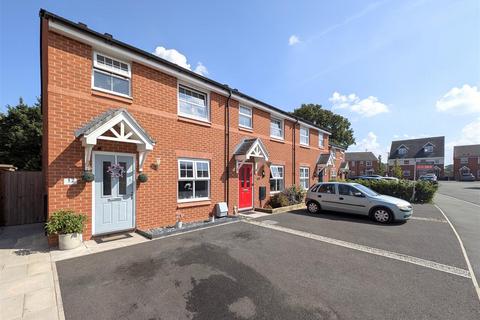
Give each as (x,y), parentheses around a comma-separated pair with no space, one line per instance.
(156,165)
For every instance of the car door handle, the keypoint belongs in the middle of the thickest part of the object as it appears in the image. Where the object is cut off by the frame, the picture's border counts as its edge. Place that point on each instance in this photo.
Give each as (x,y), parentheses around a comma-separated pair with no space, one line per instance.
(319,195)
(341,198)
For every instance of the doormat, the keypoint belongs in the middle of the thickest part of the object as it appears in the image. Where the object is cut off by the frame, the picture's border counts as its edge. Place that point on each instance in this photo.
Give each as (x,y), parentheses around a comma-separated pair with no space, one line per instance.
(161,232)
(113,237)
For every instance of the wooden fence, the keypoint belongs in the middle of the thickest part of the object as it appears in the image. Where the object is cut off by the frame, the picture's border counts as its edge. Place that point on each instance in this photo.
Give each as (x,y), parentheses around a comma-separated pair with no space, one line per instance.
(21,197)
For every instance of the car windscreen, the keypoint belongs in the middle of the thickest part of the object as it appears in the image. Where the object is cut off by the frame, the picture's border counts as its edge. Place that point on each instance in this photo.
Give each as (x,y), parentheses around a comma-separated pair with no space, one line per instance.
(367,191)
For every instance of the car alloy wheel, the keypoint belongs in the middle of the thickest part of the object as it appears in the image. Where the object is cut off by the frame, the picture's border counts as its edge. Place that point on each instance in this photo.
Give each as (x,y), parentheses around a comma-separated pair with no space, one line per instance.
(313,207)
(382,215)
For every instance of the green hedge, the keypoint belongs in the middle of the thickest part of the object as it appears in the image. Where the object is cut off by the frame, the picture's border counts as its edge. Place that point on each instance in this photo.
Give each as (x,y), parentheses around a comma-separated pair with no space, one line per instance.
(403,189)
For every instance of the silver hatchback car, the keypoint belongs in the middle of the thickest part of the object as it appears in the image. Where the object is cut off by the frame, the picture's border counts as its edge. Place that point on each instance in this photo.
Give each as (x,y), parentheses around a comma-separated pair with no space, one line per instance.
(358,199)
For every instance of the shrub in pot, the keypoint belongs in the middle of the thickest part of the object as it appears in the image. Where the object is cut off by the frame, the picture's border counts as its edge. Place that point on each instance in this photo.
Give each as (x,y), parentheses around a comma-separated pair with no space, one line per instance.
(142,177)
(88,176)
(68,226)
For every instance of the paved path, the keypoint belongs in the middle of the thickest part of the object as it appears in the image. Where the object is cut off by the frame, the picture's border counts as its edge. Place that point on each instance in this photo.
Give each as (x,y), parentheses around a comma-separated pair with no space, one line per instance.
(461,208)
(27,275)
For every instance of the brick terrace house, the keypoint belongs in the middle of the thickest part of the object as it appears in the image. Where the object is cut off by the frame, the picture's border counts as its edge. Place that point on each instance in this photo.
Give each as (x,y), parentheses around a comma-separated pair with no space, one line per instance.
(117,111)
(425,155)
(466,159)
(361,163)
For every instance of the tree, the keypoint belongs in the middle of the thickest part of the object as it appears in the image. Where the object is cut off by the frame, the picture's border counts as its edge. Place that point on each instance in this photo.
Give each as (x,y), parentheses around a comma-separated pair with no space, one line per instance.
(397,170)
(381,166)
(21,136)
(337,125)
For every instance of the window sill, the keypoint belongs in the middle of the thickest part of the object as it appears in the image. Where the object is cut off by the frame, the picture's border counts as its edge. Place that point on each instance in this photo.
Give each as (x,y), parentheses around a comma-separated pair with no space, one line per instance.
(304,146)
(245,129)
(194,121)
(277,140)
(193,203)
(111,95)
(274,192)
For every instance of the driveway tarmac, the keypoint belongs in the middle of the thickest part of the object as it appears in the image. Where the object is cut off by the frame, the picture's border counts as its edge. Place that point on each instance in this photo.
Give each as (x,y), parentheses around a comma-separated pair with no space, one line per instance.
(245,271)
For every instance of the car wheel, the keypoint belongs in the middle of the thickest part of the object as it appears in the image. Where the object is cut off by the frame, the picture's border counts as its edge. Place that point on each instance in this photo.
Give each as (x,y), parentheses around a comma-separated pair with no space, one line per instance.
(382,215)
(313,207)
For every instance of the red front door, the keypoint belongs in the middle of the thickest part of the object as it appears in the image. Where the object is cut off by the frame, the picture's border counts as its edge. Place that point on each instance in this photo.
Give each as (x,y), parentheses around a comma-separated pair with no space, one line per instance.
(245,186)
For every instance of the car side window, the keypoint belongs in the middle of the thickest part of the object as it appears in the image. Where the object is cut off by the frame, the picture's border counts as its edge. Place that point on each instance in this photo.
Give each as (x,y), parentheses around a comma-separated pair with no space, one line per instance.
(314,188)
(346,190)
(327,188)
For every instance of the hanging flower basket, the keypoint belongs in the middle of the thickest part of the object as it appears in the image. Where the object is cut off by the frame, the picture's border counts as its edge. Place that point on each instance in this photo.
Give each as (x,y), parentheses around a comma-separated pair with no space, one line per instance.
(116,170)
(88,176)
(142,177)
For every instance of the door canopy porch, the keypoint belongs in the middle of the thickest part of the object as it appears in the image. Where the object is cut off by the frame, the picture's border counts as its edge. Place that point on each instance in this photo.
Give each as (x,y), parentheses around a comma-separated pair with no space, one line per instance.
(325,160)
(115,125)
(250,150)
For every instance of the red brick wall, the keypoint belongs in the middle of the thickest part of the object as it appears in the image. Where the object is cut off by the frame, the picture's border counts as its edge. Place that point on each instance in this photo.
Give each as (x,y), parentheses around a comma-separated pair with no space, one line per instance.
(472,164)
(70,103)
(356,169)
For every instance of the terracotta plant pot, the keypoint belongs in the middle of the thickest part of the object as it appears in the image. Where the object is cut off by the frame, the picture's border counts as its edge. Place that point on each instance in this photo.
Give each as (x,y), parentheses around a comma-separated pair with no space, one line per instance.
(69,241)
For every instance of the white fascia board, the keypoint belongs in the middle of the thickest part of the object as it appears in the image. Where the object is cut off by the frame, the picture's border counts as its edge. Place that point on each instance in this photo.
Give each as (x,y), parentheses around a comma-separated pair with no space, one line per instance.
(120,53)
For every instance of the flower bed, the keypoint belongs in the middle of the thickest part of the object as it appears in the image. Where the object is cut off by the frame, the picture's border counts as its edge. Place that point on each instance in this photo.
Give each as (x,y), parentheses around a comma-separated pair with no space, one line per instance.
(289,199)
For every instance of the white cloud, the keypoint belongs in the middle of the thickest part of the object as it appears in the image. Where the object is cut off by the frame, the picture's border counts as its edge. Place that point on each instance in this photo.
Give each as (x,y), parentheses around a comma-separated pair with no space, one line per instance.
(201,69)
(180,59)
(462,100)
(470,135)
(293,40)
(367,107)
(370,143)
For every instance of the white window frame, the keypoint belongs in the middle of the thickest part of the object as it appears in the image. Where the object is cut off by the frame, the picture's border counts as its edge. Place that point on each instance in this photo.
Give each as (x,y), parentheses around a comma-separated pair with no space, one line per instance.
(320,139)
(333,173)
(305,136)
(243,114)
(368,163)
(406,162)
(194,178)
(281,136)
(402,150)
(353,162)
(464,160)
(187,115)
(304,177)
(406,173)
(428,149)
(276,176)
(113,72)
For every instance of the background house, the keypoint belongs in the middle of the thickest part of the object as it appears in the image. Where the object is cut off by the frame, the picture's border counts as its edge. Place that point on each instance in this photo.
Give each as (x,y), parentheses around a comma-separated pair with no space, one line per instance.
(466,159)
(361,163)
(417,157)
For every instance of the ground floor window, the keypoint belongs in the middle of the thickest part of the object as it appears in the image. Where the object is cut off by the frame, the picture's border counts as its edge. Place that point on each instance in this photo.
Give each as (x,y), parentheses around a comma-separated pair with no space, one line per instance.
(304,177)
(333,173)
(406,173)
(193,179)
(276,178)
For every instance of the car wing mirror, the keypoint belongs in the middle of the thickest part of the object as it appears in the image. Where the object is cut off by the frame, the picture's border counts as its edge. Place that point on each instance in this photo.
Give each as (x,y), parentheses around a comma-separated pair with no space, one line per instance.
(358,194)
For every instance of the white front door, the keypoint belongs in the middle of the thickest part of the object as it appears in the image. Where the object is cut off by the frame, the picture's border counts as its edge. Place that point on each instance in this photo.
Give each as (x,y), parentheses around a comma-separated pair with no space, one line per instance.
(113,193)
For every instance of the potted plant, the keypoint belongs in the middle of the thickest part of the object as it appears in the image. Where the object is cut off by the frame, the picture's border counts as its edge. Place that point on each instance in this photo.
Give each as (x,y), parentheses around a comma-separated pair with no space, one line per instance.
(68,226)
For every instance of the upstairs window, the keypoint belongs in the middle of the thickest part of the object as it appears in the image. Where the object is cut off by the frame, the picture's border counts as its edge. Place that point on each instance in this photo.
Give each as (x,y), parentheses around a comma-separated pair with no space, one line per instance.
(276,128)
(428,149)
(304,136)
(245,117)
(111,75)
(352,162)
(192,104)
(464,160)
(369,163)
(406,161)
(402,151)
(320,139)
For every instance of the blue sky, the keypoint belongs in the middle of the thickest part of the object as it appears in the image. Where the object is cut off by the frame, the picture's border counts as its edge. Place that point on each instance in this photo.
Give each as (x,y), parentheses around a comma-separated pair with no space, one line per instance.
(396,69)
